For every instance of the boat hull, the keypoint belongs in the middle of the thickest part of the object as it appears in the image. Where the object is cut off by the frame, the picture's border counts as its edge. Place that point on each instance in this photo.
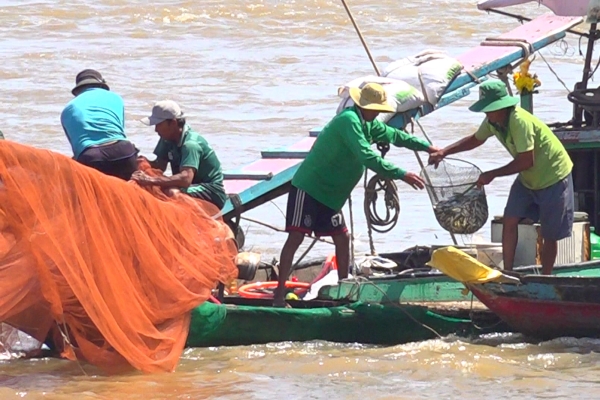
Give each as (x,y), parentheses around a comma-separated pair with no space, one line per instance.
(546,307)
(384,311)
(227,325)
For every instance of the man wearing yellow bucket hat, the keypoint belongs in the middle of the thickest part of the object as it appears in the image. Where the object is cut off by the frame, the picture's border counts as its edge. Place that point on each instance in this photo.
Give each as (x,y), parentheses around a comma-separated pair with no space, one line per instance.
(543,190)
(332,169)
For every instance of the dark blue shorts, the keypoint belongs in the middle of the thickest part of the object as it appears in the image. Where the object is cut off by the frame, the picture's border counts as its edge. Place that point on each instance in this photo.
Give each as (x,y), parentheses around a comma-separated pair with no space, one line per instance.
(305,214)
(552,207)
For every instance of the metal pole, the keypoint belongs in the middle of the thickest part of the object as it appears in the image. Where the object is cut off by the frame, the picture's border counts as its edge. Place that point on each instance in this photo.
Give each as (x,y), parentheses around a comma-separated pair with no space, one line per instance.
(587,68)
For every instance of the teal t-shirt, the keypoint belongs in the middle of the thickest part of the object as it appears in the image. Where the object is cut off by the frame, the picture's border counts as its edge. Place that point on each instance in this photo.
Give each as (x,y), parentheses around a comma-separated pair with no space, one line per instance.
(341,153)
(194,151)
(94,117)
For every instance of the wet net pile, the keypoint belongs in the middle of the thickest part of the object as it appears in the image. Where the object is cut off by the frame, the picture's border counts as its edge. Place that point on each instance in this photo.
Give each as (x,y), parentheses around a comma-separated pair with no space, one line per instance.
(460,207)
(107,269)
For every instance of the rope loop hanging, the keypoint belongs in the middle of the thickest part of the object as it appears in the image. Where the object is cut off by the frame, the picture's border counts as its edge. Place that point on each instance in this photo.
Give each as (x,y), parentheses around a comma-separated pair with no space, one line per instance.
(376,188)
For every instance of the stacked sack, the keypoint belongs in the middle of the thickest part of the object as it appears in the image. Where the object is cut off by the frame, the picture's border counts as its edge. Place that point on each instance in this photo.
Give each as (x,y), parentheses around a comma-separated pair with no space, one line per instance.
(410,82)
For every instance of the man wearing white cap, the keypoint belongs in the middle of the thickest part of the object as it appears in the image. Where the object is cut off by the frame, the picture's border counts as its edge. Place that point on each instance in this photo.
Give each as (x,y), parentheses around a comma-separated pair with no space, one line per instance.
(332,169)
(195,166)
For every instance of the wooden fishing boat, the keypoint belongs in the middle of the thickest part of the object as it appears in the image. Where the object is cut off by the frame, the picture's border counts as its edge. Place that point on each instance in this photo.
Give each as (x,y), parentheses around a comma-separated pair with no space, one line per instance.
(545,307)
(431,287)
(382,324)
(383,311)
(242,321)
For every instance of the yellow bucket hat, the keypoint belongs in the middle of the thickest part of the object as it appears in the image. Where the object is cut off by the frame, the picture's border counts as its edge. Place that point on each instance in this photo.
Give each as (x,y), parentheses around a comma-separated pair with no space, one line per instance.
(371,97)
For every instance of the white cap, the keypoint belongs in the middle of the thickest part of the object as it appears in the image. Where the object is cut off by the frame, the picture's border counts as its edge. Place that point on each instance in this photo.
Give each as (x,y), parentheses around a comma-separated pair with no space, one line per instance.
(162,111)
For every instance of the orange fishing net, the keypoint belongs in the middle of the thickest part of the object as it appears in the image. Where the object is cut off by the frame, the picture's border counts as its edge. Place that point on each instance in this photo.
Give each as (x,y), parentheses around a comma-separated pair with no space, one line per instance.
(111,268)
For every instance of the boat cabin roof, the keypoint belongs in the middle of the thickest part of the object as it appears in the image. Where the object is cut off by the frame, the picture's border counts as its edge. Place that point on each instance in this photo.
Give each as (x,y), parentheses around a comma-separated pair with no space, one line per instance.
(564,8)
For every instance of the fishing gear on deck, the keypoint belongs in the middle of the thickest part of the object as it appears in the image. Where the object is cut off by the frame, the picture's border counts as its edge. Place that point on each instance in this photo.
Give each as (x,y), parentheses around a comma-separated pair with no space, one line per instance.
(388,187)
(376,185)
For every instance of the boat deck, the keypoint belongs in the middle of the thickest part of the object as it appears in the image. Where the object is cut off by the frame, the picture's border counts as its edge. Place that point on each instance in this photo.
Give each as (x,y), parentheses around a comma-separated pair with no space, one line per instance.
(448,306)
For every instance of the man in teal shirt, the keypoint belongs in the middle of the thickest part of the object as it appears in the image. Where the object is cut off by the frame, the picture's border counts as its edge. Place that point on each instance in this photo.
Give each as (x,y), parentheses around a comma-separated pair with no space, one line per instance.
(543,189)
(332,169)
(94,122)
(195,166)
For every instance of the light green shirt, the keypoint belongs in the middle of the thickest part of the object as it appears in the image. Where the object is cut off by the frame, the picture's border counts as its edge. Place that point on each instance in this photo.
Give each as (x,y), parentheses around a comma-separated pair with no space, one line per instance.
(341,152)
(526,132)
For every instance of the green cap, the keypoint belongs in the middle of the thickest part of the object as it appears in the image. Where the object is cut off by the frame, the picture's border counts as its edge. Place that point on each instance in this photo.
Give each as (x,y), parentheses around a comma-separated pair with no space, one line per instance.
(493,97)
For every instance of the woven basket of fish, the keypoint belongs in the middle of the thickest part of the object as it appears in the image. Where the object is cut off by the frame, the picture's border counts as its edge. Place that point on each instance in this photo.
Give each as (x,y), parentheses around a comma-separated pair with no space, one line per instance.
(460,207)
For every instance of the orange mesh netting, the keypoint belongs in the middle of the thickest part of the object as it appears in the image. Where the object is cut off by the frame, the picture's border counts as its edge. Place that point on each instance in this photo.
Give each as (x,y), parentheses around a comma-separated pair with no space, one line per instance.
(114,269)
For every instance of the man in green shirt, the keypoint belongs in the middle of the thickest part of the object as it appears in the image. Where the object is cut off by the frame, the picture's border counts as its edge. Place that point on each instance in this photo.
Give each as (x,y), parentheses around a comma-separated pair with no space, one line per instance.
(195,166)
(543,190)
(332,169)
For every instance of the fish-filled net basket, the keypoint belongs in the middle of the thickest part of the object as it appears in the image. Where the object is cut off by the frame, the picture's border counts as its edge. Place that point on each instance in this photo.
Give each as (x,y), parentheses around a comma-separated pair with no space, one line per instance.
(460,207)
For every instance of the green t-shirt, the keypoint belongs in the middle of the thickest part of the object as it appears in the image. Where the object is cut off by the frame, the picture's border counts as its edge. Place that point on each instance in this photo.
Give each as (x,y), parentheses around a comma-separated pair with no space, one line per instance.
(195,152)
(526,132)
(341,152)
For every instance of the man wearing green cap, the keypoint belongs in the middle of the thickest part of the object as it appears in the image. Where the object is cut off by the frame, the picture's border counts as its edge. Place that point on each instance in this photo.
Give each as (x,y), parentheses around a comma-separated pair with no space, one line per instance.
(332,169)
(543,190)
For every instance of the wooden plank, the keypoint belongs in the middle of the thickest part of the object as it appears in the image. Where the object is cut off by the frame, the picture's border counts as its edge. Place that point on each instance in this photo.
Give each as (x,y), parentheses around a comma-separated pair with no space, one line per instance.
(451,97)
(259,193)
(254,176)
(578,135)
(559,7)
(283,154)
(273,166)
(540,32)
(438,288)
(235,184)
(315,132)
(297,150)
(440,306)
